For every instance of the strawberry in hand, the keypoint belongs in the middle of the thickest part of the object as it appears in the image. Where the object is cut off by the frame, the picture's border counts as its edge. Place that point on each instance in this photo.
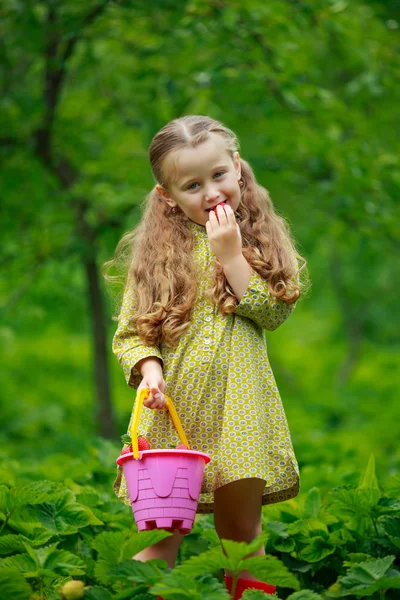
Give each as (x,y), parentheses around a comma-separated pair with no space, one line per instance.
(224,233)
(215,209)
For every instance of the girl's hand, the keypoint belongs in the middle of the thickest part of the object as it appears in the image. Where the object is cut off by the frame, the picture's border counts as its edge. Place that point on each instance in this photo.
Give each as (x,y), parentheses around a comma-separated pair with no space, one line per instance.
(154,381)
(224,234)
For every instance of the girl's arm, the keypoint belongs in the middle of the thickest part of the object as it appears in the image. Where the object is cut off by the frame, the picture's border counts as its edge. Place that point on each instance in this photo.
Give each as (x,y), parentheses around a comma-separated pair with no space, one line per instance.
(129,348)
(255,300)
(238,272)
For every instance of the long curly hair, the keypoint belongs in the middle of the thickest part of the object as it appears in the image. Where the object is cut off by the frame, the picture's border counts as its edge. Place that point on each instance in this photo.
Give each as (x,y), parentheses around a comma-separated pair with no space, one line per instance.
(157,256)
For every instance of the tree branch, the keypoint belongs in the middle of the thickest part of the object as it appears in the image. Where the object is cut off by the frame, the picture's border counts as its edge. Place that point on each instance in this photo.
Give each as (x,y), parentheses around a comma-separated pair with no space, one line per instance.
(55,74)
(273,85)
(7,141)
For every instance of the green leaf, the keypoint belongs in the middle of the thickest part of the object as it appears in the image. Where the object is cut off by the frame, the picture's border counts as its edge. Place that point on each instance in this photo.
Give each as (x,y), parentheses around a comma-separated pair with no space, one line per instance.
(115,547)
(14,542)
(312,503)
(138,571)
(368,577)
(33,493)
(126,439)
(212,536)
(392,486)
(359,505)
(308,527)
(284,545)
(13,585)
(304,595)
(180,586)
(270,568)
(391,525)
(102,572)
(278,528)
(34,555)
(389,505)
(141,540)
(93,520)
(355,558)
(65,563)
(316,550)
(25,521)
(369,571)
(237,551)
(210,561)
(257,595)
(64,515)
(109,545)
(11,543)
(214,559)
(97,593)
(88,499)
(340,537)
(21,562)
(4,500)
(138,594)
(38,492)
(369,480)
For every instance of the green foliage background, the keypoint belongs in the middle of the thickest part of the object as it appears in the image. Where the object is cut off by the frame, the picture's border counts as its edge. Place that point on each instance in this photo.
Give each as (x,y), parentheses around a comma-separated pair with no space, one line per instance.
(312,90)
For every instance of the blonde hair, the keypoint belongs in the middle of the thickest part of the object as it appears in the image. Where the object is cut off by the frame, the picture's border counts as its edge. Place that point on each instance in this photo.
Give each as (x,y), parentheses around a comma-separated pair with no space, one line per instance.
(157,255)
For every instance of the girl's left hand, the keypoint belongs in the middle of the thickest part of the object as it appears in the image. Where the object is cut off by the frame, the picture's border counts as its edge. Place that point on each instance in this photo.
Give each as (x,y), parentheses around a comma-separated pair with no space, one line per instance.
(224,234)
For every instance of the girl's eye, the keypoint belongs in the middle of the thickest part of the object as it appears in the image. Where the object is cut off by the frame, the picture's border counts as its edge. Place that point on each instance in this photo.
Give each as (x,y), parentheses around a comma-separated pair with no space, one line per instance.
(218,174)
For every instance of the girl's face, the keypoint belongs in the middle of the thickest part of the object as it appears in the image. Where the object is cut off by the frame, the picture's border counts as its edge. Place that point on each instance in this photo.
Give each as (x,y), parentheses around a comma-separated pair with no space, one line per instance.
(200,178)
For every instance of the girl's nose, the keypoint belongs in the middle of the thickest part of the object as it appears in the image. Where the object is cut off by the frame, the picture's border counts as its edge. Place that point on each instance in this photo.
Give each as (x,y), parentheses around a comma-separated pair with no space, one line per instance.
(212,193)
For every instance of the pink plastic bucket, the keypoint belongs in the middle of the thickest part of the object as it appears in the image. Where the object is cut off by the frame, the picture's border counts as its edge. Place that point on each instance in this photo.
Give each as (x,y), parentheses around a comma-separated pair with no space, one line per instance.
(163,485)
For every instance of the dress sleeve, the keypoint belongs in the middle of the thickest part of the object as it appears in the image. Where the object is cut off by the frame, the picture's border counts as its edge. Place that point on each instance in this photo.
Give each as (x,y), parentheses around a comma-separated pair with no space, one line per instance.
(259,305)
(127,345)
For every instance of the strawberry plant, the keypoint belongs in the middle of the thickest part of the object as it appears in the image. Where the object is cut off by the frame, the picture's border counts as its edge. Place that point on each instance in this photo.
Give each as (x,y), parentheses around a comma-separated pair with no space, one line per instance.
(66,541)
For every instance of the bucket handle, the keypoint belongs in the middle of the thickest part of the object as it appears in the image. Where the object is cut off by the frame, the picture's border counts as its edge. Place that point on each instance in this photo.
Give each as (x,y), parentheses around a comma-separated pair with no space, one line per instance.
(143,394)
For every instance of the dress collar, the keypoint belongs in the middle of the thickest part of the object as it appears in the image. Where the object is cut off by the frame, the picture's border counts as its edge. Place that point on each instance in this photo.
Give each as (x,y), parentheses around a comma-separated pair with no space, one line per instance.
(199,231)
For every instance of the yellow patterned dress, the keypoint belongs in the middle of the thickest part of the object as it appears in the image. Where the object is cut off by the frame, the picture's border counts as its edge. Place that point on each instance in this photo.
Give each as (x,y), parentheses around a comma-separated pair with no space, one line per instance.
(223,388)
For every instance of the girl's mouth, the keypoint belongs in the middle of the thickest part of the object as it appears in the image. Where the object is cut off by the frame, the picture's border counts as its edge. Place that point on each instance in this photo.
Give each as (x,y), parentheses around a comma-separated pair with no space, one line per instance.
(215,207)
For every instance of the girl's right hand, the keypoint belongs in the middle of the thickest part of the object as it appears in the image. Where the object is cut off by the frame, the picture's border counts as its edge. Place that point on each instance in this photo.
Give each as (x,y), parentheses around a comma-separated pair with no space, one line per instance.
(156,384)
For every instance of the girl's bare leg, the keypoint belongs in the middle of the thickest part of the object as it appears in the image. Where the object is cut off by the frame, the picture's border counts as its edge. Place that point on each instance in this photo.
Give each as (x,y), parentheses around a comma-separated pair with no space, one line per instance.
(237,513)
(166,550)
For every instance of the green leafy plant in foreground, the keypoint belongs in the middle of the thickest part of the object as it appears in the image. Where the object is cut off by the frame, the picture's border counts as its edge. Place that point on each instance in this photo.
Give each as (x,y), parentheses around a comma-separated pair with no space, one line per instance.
(62,539)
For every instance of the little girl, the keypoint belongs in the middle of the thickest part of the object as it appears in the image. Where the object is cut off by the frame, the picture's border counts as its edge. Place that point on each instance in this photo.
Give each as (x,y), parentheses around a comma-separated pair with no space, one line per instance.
(211,265)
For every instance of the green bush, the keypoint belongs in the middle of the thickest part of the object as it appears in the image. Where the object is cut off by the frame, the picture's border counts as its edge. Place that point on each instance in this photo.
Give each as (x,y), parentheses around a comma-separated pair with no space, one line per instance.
(346,544)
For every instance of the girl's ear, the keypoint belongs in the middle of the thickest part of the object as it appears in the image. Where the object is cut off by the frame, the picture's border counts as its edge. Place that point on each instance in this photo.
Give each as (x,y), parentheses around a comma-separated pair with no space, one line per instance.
(165,195)
(237,164)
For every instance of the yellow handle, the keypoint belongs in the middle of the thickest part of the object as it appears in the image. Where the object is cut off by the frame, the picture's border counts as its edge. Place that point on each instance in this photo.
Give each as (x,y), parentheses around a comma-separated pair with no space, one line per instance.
(142,395)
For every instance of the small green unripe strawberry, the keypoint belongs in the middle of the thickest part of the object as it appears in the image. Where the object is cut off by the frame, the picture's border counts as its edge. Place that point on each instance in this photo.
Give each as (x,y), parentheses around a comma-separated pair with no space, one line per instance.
(73,590)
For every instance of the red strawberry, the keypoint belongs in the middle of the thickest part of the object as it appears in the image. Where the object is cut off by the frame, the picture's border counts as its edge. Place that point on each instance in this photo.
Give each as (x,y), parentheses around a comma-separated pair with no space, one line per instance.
(215,209)
(126,450)
(143,444)
(220,204)
(182,447)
